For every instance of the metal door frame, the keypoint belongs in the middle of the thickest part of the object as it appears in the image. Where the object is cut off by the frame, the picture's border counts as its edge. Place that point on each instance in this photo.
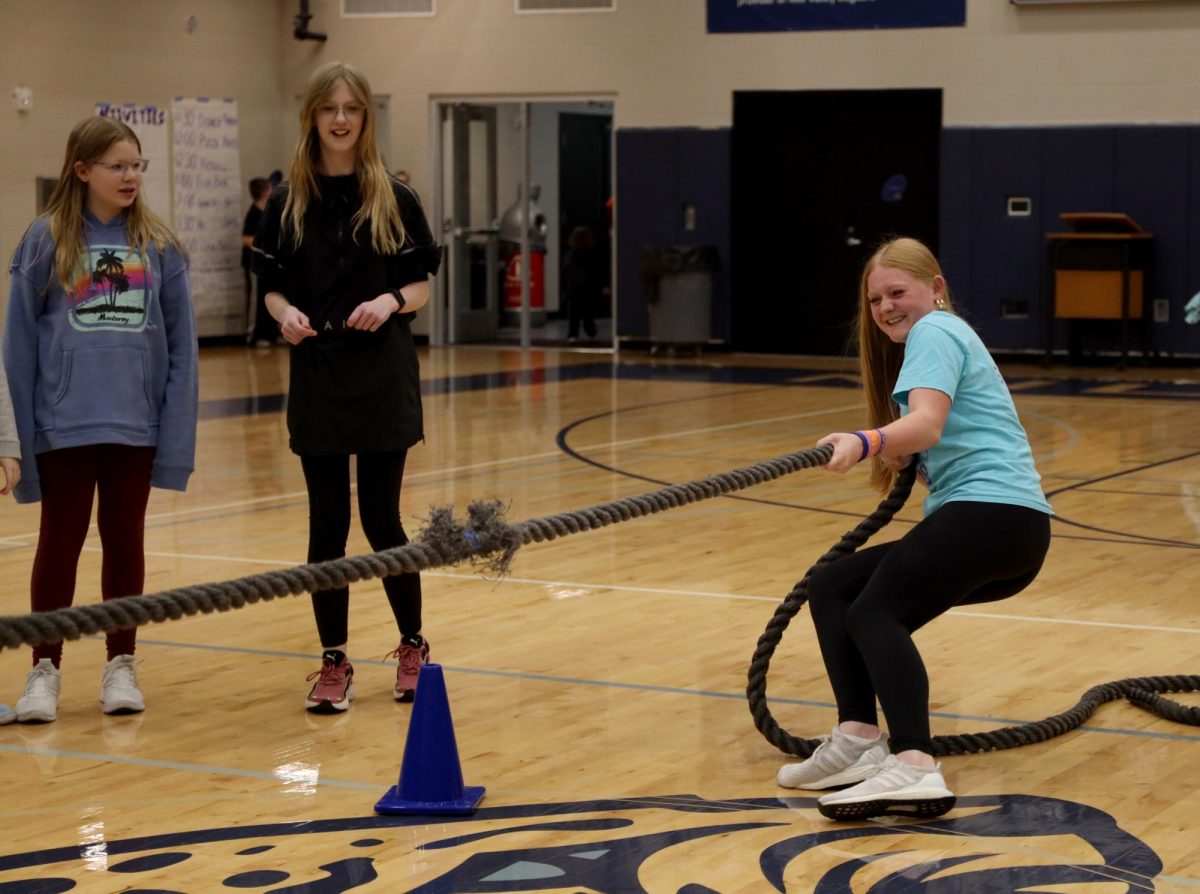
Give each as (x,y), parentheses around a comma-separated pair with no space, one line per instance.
(443,326)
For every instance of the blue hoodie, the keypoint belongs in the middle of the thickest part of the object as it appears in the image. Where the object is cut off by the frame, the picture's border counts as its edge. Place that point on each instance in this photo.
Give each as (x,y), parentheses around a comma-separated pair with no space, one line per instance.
(113,362)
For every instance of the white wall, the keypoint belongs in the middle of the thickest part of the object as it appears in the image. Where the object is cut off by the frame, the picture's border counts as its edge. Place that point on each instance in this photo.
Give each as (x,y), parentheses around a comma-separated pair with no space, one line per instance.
(1104,63)
(1099,63)
(74,53)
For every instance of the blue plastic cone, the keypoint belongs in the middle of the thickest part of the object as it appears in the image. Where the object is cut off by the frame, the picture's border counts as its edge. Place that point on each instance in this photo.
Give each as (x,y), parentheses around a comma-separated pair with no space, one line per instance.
(430,775)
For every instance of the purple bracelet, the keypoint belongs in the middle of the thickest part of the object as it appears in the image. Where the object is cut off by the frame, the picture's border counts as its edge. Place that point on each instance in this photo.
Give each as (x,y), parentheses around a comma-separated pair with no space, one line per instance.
(866,445)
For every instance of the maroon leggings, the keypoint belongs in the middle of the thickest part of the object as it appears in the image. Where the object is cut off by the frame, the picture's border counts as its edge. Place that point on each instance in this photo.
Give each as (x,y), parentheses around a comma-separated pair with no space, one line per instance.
(70,477)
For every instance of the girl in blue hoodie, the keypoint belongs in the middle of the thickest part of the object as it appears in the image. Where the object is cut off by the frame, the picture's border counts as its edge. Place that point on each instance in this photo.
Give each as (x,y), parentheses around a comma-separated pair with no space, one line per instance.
(100,350)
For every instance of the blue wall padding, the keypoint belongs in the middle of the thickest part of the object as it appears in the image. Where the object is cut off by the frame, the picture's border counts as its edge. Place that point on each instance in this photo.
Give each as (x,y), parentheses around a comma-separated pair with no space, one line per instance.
(659,171)
(991,259)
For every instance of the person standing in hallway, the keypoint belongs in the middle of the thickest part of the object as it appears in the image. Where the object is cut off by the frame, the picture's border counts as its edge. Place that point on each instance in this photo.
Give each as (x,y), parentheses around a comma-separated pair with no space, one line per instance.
(582,283)
(262,330)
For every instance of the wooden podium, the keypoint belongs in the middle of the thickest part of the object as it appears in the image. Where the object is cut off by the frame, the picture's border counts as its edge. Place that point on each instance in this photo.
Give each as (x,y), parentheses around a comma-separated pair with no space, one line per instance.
(1099,271)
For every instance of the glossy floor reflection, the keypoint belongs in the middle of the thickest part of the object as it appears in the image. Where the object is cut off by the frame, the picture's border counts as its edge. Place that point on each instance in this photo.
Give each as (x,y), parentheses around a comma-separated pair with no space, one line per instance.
(597,690)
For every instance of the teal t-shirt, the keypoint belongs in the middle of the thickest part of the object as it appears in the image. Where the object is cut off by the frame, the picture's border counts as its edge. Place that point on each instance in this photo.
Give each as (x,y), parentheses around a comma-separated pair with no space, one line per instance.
(984,453)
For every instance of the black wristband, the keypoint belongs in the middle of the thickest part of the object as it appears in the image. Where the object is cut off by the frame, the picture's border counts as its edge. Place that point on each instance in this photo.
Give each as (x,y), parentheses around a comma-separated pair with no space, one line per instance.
(399,299)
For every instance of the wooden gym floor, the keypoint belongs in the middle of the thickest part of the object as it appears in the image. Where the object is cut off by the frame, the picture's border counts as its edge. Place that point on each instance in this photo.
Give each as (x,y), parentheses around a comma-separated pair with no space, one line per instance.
(597,691)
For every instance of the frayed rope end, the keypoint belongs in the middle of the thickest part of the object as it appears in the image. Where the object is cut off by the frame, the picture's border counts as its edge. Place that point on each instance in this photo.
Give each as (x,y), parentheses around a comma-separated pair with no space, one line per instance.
(487,541)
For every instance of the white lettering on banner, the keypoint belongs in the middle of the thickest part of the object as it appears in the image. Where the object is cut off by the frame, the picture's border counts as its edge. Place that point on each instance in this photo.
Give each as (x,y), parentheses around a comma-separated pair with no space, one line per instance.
(741,3)
(208,203)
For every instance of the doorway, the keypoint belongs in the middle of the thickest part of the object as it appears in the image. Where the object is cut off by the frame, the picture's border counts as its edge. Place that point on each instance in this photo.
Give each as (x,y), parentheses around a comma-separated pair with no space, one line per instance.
(584,189)
(470,230)
(819,178)
(485,153)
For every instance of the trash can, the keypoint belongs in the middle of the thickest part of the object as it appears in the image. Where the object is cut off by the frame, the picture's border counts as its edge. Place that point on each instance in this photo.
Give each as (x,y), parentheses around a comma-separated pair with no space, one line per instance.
(677,281)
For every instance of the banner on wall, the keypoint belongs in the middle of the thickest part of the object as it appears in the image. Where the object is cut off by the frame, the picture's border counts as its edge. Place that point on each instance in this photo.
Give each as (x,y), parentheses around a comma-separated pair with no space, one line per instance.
(208,208)
(733,16)
(149,122)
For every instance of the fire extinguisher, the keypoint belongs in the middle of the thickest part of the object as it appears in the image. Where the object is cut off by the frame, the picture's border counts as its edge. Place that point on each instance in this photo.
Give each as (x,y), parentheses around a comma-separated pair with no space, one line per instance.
(537,280)
(510,251)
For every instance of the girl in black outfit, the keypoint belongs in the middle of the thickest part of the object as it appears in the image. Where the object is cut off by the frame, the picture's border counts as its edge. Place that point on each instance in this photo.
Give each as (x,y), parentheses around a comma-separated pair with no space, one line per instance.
(345,254)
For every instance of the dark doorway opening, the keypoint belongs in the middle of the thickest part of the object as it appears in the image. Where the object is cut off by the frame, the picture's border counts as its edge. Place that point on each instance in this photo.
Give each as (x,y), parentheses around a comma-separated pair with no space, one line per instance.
(819,179)
(584,188)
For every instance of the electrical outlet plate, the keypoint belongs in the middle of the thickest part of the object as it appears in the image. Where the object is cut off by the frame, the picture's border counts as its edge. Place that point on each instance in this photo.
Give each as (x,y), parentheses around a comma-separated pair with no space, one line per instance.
(1019,206)
(1162,311)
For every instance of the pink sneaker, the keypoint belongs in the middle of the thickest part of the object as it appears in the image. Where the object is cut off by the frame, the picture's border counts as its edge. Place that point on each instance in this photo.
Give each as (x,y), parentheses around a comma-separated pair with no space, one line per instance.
(412,652)
(334,687)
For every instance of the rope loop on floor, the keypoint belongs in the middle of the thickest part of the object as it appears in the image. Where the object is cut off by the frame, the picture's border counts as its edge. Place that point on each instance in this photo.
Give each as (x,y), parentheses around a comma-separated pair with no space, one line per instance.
(1141,691)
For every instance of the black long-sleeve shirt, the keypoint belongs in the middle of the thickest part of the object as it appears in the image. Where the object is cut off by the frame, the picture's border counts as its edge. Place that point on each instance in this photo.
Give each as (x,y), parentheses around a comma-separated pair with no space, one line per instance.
(350,391)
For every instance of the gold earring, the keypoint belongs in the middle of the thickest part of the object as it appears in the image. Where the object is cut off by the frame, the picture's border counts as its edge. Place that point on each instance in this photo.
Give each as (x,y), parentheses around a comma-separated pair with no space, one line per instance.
(941,304)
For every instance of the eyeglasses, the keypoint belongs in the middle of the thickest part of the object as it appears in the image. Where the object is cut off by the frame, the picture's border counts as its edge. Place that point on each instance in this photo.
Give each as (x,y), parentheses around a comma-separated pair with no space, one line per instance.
(350,110)
(120,167)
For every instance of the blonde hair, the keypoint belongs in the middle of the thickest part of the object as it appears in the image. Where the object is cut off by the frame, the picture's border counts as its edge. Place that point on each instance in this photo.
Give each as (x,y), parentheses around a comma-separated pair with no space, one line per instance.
(879,358)
(89,139)
(378,206)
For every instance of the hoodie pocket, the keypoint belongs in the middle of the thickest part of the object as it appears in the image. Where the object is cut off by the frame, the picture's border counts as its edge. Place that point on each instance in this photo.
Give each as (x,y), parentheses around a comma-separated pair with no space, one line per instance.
(103,388)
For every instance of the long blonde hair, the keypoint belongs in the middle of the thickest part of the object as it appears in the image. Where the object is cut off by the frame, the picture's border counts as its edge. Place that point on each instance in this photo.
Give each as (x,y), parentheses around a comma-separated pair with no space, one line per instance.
(378,206)
(90,139)
(879,358)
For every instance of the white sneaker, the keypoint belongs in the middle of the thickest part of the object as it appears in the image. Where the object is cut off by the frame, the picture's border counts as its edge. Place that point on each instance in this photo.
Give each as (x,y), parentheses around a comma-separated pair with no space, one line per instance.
(39,704)
(897,788)
(119,691)
(7,715)
(840,759)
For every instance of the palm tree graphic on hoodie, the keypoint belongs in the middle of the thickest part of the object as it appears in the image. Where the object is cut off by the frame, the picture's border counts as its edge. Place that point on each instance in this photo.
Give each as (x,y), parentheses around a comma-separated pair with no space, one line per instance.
(111,292)
(110,275)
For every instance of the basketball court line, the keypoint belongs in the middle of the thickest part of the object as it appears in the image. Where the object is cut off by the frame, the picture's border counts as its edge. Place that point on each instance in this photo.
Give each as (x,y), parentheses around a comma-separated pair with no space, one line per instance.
(1073,438)
(633,687)
(663,591)
(442,473)
(181,766)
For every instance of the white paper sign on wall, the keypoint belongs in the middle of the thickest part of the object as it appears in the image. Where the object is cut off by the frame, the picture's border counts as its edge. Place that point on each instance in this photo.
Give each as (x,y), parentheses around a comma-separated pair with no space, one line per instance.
(208,208)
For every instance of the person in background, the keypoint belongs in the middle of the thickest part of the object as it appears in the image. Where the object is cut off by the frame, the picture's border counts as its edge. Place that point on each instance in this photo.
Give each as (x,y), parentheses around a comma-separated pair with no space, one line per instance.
(582,283)
(262,328)
(100,352)
(345,253)
(935,398)
(10,465)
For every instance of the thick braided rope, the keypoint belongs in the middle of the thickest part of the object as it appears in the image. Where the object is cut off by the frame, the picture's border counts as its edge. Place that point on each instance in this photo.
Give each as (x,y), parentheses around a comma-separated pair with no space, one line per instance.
(485,540)
(551,527)
(1138,690)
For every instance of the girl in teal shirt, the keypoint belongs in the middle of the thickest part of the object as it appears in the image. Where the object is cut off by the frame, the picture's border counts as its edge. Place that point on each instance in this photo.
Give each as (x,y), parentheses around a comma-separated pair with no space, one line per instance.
(935,398)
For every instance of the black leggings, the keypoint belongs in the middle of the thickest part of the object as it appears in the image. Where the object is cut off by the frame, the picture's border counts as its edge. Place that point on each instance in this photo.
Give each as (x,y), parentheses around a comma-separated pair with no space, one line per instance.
(379,478)
(866,606)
